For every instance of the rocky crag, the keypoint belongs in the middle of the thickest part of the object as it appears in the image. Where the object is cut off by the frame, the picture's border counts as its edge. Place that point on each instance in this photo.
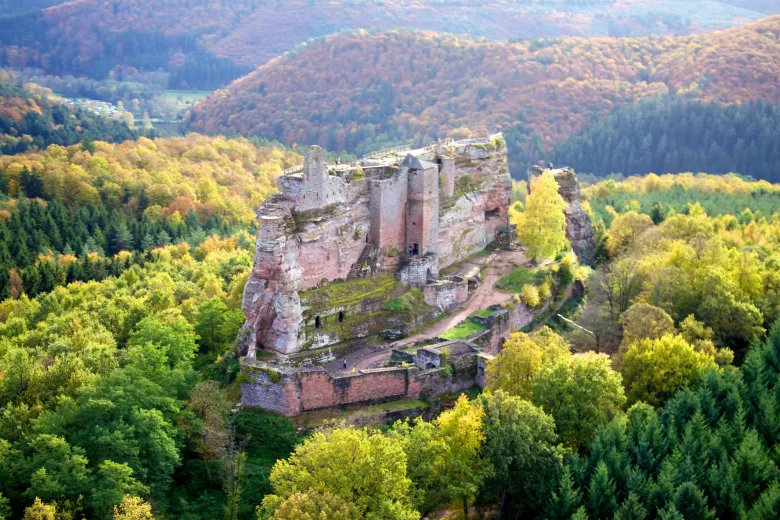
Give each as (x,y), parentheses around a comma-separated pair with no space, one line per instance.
(579,228)
(346,251)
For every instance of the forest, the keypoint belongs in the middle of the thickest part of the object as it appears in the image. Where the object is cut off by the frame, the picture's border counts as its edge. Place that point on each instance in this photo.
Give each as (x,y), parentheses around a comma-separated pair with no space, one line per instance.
(676,135)
(537,92)
(83,213)
(120,373)
(202,44)
(33,120)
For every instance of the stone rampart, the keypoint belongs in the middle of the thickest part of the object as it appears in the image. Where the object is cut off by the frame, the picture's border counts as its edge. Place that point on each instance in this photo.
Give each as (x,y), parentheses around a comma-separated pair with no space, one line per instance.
(311,389)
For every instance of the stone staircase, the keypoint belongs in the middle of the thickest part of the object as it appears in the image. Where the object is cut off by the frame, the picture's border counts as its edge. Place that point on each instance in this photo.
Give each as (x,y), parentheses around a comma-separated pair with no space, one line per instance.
(357,268)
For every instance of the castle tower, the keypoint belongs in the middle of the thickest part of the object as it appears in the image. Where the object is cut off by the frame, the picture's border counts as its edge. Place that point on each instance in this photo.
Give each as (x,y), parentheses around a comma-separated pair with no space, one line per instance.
(422,209)
(319,188)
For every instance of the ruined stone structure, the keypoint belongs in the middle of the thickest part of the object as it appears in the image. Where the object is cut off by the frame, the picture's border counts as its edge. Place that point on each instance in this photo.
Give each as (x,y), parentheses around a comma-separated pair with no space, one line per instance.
(433,369)
(406,215)
(579,229)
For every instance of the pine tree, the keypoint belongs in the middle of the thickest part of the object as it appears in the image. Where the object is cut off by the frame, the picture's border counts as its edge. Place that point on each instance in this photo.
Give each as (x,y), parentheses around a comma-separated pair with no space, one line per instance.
(631,509)
(691,503)
(564,502)
(602,499)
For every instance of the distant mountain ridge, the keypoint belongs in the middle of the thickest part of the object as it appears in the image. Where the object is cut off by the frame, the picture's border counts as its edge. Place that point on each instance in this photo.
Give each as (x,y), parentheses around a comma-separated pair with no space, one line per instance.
(203,43)
(363,91)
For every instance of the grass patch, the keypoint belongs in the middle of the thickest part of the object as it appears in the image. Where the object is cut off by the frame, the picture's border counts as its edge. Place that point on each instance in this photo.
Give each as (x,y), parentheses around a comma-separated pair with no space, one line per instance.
(350,292)
(514,281)
(464,330)
(411,299)
(393,406)
(483,313)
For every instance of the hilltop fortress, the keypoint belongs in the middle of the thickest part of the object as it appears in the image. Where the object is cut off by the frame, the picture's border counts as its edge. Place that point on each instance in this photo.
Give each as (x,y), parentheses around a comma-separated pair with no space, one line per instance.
(398,217)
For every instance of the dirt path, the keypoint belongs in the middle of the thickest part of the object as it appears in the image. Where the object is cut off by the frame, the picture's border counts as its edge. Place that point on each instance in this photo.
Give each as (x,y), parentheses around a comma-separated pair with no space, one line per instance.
(500,264)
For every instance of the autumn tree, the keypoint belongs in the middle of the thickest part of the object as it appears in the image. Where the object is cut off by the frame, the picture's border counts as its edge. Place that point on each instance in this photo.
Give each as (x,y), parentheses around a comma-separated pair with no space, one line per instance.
(364,468)
(544,222)
(644,321)
(133,508)
(624,230)
(654,369)
(314,505)
(521,357)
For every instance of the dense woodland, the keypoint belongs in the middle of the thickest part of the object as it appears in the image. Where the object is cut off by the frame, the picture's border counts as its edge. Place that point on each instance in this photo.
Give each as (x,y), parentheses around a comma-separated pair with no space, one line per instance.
(31,120)
(122,274)
(205,43)
(676,135)
(537,92)
(84,214)
(120,368)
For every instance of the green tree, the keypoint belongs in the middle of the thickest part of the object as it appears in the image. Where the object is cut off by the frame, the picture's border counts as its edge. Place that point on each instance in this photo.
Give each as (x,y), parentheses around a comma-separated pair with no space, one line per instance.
(314,505)
(363,468)
(654,370)
(631,509)
(566,500)
(216,325)
(602,494)
(543,228)
(580,393)
(521,451)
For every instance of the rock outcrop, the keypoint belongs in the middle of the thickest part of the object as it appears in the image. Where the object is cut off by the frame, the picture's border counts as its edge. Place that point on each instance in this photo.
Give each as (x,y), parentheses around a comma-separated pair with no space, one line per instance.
(579,228)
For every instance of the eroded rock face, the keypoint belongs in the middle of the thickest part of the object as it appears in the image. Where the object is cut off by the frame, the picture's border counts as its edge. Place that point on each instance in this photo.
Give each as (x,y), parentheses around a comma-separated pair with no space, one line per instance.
(579,228)
(328,224)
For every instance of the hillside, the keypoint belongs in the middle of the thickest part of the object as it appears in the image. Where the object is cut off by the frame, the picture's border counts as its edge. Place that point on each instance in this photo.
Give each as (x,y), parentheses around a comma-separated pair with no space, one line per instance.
(204,43)
(31,117)
(363,91)
(672,134)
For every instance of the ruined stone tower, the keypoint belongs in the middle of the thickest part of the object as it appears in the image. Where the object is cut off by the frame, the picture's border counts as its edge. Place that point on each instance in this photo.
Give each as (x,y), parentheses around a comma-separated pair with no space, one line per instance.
(422,208)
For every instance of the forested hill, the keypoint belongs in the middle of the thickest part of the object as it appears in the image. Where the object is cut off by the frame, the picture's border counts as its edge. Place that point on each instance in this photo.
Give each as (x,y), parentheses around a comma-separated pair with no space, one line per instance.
(69,214)
(676,135)
(207,43)
(31,118)
(363,91)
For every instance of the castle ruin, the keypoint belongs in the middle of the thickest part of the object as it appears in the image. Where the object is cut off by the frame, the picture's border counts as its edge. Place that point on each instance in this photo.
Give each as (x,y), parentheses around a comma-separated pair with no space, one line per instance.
(394,219)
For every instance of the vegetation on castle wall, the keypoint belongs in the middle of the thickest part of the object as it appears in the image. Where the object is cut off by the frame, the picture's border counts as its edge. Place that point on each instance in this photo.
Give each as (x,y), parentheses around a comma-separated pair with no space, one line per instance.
(352,292)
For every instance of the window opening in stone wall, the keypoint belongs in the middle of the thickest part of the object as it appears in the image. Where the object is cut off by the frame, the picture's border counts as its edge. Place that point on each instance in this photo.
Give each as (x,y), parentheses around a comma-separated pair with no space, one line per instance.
(317,322)
(341,316)
(493,213)
(429,366)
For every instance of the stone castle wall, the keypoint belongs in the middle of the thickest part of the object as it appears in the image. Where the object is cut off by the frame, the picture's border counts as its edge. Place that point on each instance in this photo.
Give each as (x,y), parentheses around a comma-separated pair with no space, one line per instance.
(291,392)
(446,293)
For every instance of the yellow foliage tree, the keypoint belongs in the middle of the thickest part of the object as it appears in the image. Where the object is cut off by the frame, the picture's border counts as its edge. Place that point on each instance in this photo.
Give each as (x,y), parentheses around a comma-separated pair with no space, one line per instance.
(133,508)
(521,357)
(544,223)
